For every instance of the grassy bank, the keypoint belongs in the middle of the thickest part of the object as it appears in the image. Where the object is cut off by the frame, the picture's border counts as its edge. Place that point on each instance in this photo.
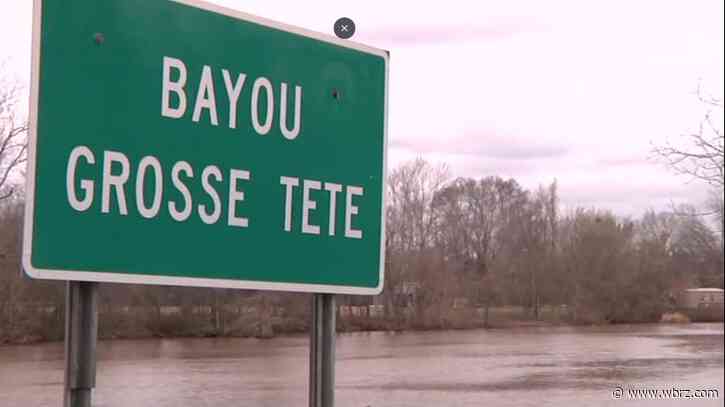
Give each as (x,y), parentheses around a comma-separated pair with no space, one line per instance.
(268,322)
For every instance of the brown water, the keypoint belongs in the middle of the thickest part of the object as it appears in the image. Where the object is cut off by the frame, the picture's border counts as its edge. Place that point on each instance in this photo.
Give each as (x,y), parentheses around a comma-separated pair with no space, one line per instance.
(561,366)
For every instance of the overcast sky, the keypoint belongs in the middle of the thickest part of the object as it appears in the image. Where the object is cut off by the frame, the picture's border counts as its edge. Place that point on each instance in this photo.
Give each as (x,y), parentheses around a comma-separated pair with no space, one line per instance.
(535,90)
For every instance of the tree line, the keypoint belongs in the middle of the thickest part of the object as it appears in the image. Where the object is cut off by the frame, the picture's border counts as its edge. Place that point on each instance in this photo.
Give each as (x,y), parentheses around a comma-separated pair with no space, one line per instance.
(493,243)
(457,250)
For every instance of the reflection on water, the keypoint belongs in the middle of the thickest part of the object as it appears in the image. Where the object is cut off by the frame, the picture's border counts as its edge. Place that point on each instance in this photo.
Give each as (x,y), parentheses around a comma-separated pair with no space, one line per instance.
(529,366)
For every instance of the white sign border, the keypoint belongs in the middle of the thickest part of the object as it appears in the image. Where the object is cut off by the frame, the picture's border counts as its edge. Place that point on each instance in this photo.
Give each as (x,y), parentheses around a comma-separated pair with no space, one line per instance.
(130,278)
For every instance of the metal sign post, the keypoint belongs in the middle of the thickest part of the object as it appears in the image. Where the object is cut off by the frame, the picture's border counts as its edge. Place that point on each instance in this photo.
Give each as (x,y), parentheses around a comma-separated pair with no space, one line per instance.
(81,334)
(322,351)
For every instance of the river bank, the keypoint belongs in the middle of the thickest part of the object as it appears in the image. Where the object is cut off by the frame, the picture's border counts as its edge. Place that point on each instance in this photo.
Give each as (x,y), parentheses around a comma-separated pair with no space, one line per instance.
(269,322)
(176,326)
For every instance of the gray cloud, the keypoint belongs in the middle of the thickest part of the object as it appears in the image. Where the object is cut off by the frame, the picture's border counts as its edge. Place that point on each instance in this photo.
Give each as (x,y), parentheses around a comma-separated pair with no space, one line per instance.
(590,179)
(623,162)
(624,192)
(631,199)
(486,145)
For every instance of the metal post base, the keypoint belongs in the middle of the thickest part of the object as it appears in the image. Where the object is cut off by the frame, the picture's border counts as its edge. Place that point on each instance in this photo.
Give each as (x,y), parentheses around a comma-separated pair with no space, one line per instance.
(81,334)
(322,351)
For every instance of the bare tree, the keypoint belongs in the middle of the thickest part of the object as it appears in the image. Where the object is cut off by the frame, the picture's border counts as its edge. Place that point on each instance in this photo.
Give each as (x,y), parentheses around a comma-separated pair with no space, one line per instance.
(538,234)
(702,157)
(411,189)
(696,249)
(600,263)
(410,226)
(13,143)
(10,284)
(716,205)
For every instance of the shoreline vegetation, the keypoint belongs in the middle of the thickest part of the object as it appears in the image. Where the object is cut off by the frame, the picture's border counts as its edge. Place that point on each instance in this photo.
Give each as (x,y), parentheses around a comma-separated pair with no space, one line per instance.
(174,325)
(459,253)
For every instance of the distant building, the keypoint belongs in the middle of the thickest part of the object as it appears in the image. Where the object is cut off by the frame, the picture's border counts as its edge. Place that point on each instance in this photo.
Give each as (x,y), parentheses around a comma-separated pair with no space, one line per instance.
(694,298)
(703,304)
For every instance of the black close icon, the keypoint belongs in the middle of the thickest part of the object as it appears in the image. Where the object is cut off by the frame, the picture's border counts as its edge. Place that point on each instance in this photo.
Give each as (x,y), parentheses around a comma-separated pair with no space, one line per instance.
(344,28)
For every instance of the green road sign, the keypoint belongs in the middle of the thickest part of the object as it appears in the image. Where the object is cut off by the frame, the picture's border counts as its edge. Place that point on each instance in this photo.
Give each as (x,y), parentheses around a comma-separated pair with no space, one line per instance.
(181,143)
